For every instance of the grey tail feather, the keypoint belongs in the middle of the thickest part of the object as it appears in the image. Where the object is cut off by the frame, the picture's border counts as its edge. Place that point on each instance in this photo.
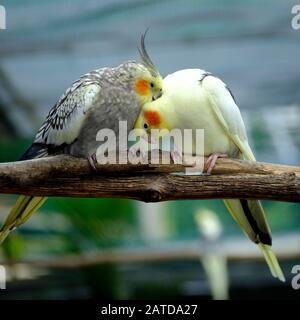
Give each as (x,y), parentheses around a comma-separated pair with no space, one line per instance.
(264,237)
(36,150)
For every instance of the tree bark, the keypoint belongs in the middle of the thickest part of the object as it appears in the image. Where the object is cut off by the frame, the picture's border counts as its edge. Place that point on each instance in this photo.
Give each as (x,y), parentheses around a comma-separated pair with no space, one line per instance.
(72,177)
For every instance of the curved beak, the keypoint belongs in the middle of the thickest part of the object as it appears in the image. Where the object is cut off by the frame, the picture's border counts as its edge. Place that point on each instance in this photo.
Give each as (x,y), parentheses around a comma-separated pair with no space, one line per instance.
(157,96)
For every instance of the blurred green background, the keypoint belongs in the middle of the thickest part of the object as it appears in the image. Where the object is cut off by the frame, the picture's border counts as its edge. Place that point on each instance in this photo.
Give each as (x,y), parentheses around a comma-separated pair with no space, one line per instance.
(91,248)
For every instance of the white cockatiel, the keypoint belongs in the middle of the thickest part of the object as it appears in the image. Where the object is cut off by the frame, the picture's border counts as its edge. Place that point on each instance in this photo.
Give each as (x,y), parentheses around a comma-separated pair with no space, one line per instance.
(195,99)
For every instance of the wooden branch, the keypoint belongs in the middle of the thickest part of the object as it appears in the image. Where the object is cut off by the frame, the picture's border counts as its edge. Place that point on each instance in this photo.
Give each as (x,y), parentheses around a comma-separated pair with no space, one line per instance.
(73,177)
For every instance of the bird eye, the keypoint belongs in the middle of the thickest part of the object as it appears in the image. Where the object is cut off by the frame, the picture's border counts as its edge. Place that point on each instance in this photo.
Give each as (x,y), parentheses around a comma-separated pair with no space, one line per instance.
(145,126)
(152,85)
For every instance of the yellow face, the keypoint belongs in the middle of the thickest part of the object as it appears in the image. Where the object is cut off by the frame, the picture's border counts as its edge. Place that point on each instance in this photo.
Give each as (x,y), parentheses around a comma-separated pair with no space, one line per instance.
(148,87)
(152,117)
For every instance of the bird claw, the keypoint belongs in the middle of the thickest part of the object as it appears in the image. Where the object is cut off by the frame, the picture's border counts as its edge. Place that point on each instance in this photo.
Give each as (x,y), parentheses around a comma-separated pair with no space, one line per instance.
(93,162)
(176,156)
(138,152)
(134,151)
(211,161)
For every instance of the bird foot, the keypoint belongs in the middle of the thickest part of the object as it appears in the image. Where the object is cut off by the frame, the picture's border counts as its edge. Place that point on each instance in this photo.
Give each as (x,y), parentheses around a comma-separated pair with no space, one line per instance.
(138,152)
(176,157)
(134,151)
(211,161)
(93,162)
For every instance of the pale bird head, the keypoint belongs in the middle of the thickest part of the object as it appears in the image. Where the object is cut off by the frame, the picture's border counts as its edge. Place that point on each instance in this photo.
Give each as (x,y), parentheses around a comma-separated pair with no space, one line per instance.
(151,117)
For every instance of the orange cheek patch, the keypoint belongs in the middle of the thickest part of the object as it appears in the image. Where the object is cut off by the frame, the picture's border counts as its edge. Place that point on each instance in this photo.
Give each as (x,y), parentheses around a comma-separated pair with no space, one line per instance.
(142,87)
(152,117)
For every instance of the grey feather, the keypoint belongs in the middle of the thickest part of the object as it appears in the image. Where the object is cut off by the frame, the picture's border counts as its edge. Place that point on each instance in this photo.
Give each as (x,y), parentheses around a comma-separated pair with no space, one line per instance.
(146,58)
(99,99)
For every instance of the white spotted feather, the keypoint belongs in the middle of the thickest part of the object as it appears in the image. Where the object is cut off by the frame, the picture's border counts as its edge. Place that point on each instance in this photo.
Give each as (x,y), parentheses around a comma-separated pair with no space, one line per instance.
(65,119)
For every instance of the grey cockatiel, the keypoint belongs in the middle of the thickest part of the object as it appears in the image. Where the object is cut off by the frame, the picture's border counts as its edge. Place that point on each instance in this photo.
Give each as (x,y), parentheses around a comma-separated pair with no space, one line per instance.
(98,100)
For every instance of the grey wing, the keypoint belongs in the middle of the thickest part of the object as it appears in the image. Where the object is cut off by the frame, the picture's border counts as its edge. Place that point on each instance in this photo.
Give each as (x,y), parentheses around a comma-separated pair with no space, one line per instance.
(65,119)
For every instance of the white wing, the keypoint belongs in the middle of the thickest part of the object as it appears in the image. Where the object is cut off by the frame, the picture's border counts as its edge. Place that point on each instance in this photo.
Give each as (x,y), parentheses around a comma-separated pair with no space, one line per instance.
(229,116)
(227,113)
